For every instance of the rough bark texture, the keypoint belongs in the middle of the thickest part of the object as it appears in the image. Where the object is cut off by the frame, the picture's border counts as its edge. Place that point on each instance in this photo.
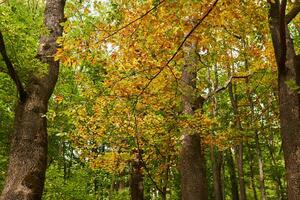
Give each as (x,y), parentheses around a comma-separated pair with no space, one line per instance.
(193,179)
(28,154)
(289,102)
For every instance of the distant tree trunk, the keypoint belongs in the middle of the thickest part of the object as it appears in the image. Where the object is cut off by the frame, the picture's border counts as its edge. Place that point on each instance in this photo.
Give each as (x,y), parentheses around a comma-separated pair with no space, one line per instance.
(165,180)
(251,163)
(28,154)
(232,174)
(276,174)
(288,64)
(258,149)
(193,179)
(261,168)
(137,180)
(239,158)
(215,155)
(238,149)
(216,158)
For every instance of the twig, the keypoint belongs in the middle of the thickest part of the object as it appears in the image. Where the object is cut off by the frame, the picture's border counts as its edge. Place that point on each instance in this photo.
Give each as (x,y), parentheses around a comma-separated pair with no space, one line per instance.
(132,22)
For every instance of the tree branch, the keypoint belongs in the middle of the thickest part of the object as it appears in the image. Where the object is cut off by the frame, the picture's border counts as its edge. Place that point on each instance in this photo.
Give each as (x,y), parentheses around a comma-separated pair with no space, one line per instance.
(11,70)
(293,12)
(219,89)
(282,32)
(132,22)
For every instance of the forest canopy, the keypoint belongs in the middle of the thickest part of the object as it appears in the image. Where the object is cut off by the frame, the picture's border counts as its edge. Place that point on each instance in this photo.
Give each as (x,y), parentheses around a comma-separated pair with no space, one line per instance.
(150,99)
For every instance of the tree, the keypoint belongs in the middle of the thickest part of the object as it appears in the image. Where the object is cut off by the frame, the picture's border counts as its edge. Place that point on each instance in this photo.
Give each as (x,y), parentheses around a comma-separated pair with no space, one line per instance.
(28,146)
(288,64)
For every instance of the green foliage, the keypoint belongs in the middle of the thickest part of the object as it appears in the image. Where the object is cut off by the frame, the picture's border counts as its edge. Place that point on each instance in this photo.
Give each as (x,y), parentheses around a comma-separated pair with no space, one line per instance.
(21,25)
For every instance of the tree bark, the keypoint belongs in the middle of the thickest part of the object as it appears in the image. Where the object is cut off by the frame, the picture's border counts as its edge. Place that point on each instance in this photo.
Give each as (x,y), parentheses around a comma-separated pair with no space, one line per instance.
(136,182)
(238,149)
(239,158)
(288,64)
(232,174)
(28,151)
(252,178)
(261,168)
(216,159)
(193,179)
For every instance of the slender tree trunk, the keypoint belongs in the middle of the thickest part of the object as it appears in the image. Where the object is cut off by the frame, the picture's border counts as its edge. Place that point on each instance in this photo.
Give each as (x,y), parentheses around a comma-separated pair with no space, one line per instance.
(276,175)
(193,179)
(216,158)
(258,149)
(233,178)
(261,168)
(289,100)
(165,181)
(215,155)
(28,153)
(251,163)
(239,158)
(238,149)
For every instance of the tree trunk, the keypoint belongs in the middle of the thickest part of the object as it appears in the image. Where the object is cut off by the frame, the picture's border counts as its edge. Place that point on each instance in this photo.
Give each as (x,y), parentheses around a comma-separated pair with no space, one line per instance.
(233,179)
(251,163)
(216,159)
(28,151)
(28,154)
(276,175)
(261,168)
(239,148)
(239,158)
(193,179)
(136,182)
(289,102)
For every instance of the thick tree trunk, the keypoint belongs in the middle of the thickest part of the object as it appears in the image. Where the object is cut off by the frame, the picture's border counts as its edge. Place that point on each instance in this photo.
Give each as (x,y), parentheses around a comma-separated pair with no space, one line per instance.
(193,179)
(137,180)
(28,154)
(289,100)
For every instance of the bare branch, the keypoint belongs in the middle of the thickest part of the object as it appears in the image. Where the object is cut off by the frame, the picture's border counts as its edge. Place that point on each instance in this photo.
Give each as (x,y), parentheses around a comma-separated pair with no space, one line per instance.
(293,12)
(132,22)
(11,70)
(219,89)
